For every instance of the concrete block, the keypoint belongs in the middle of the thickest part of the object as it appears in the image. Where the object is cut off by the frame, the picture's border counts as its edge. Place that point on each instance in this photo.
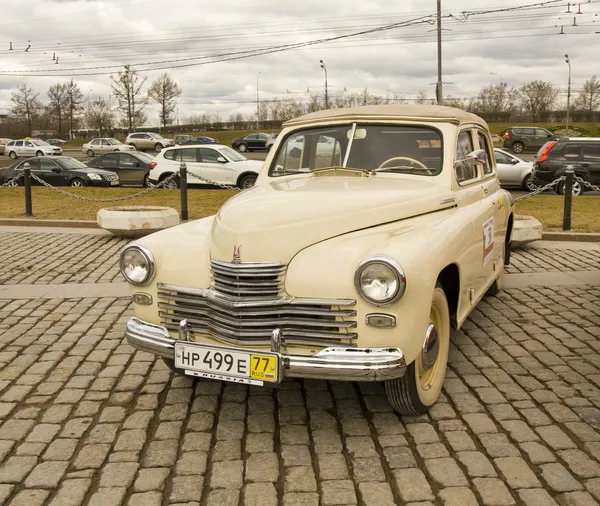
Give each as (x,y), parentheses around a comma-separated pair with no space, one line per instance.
(136,221)
(526,229)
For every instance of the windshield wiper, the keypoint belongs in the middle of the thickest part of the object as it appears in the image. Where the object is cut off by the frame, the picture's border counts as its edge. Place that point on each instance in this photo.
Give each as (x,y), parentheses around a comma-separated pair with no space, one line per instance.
(336,167)
(381,169)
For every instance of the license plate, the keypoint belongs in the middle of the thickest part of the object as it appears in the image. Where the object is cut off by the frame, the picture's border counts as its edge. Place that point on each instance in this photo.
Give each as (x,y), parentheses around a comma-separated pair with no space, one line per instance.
(114,183)
(225,364)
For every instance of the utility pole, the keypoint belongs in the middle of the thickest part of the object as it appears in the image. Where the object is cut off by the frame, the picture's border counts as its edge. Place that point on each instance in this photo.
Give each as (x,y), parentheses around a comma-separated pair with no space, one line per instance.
(326,95)
(257,104)
(438,89)
(568,91)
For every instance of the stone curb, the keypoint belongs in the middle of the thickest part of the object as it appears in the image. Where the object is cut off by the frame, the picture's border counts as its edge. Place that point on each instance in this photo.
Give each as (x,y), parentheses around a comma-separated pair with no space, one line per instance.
(32,222)
(571,236)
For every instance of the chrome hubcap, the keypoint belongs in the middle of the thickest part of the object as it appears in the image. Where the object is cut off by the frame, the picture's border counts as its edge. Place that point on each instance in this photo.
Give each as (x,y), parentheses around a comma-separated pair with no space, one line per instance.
(431,347)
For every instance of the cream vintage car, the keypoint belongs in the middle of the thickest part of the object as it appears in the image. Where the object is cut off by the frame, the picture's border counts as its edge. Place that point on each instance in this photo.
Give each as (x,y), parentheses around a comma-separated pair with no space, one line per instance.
(348,263)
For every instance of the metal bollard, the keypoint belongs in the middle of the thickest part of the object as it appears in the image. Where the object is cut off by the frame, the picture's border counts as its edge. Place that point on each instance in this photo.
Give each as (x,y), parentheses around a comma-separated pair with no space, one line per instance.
(183,190)
(570,174)
(27,184)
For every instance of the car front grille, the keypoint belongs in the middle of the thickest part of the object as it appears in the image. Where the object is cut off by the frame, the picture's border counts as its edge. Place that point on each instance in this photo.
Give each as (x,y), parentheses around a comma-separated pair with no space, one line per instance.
(245,304)
(111,177)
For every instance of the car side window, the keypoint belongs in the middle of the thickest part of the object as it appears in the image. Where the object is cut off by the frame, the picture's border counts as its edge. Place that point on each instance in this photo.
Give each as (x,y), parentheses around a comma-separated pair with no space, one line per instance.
(483,144)
(19,144)
(172,154)
(591,152)
(28,144)
(47,165)
(208,155)
(465,170)
(109,160)
(502,158)
(261,137)
(188,155)
(540,132)
(571,151)
(105,142)
(127,160)
(251,137)
(33,164)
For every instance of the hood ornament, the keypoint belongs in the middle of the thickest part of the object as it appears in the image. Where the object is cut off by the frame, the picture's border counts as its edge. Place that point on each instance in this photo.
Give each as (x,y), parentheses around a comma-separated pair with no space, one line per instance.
(237,259)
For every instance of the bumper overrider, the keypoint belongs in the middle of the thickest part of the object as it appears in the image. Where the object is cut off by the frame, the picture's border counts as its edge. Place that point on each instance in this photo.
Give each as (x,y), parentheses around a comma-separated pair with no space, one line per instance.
(333,363)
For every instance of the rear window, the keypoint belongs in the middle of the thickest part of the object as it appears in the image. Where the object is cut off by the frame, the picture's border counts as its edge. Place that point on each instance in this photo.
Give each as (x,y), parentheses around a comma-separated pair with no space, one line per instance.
(591,152)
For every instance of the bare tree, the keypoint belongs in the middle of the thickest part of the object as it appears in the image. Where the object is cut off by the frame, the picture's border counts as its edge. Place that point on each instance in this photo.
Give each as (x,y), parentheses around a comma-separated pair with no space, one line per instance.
(496,98)
(58,103)
(26,105)
(127,87)
(589,97)
(99,116)
(74,102)
(422,98)
(537,97)
(165,91)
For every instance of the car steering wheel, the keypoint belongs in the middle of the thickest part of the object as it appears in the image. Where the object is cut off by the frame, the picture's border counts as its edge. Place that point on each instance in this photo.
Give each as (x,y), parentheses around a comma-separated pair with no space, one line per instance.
(411,160)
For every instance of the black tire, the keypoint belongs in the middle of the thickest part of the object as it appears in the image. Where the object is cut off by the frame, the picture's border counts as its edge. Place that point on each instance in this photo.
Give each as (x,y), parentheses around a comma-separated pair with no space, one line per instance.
(496,287)
(90,153)
(170,363)
(405,394)
(158,147)
(77,183)
(247,181)
(13,155)
(242,148)
(528,184)
(577,188)
(174,184)
(518,147)
(145,183)
(39,153)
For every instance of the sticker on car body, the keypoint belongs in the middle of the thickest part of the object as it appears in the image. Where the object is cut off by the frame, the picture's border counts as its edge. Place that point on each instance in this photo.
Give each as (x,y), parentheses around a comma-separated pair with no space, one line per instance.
(488,240)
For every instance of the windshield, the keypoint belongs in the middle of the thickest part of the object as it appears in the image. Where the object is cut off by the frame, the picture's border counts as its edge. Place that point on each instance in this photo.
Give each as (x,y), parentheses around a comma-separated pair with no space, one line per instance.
(233,155)
(387,148)
(114,141)
(71,163)
(144,157)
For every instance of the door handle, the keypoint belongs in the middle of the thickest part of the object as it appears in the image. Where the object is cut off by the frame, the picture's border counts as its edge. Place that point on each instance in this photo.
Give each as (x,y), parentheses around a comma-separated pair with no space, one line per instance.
(585,164)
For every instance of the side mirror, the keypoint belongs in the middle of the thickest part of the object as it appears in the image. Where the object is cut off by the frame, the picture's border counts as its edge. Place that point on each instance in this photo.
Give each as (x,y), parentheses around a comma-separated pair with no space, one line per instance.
(514,161)
(477,157)
(57,170)
(220,159)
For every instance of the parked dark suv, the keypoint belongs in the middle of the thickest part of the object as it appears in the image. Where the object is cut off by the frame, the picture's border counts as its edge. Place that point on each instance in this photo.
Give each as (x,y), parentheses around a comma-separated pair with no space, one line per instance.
(583,154)
(521,138)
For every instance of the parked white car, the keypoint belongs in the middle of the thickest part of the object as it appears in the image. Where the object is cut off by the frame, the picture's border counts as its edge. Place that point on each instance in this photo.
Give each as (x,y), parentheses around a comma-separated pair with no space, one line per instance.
(104,145)
(513,171)
(30,147)
(217,163)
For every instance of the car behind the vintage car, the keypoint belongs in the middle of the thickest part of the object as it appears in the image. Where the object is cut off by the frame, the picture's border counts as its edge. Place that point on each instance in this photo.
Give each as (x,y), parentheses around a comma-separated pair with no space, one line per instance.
(369,234)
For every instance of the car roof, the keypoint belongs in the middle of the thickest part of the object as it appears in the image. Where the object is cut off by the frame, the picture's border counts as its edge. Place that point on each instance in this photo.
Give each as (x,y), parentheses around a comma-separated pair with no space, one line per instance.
(413,112)
(212,146)
(579,139)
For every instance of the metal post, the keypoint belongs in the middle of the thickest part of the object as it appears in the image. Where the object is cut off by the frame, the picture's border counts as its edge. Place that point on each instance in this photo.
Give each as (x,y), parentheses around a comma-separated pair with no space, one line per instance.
(438,89)
(570,173)
(568,92)
(27,184)
(257,104)
(183,190)
(326,92)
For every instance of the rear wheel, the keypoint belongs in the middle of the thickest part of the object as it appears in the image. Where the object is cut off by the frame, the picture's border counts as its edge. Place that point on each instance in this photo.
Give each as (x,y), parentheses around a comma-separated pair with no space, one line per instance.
(419,388)
(577,188)
(158,147)
(39,153)
(528,184)
(90,153)
(518,147)
(146,183)
(12,155)
(77,183)
(172,184)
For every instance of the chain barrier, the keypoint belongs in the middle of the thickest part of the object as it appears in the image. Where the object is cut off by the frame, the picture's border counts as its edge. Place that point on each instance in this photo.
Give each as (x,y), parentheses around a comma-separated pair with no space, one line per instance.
(214,183)
(163,183)
(542,188)
(13,182)
(586,184)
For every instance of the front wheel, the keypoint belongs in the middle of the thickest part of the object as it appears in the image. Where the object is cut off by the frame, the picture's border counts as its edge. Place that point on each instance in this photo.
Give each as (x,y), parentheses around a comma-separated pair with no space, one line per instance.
(158,147)
(12,155)
(39,153)
(577,188)
(242,148)
(518,147)
(77,183)
(419,388)
(90,153)
(247,181)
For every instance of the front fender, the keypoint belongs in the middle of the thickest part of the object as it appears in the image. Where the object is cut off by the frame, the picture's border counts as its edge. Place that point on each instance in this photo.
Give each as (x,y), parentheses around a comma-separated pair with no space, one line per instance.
(423,246)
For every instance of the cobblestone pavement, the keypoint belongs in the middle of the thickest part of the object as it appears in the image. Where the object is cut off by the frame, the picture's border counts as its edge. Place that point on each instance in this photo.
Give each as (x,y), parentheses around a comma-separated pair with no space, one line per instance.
(43,258)
(86,420)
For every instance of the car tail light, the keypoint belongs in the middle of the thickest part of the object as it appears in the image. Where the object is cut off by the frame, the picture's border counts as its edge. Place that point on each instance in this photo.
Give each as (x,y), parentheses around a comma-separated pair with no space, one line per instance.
(152,165)
(544,154)
(507,135)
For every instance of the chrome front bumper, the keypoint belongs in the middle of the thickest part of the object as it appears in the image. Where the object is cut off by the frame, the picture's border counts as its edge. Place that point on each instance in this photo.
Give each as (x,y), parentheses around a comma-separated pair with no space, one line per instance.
(334,363)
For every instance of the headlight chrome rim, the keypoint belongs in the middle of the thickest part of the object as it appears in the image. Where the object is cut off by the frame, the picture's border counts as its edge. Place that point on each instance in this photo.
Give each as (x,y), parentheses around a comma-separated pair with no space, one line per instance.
(397,270)
(149,258)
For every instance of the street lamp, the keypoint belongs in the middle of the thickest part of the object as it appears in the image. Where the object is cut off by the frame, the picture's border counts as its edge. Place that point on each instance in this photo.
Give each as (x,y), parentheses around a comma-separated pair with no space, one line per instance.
(494,74)
(326,95)
(568,61)
(257,103)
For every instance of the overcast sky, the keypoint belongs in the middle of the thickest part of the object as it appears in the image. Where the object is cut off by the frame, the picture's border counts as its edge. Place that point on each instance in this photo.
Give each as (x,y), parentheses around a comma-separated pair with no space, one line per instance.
(99,36)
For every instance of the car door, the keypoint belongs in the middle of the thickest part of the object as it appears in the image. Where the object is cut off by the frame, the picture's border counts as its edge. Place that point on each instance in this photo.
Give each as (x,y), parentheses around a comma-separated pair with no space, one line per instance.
(216,167)
(28,149)
(590,163)
(105,146)
(261,141)
(33,166)
(110,161)
(508,170)
(131,170)
(251,140)
(51,172)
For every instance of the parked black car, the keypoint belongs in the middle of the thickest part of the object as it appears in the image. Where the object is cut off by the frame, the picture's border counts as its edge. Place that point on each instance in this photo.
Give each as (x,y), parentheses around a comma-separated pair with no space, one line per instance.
(251,142)
(582,153)
(521,138)
(60,171)
(132,167)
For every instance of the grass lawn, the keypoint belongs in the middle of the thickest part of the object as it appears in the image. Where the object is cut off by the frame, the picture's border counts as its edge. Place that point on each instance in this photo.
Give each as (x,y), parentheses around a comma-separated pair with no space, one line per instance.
(548,209)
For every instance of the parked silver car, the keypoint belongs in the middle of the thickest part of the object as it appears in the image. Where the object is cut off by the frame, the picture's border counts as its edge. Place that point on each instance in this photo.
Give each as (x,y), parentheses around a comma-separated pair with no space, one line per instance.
(148,140)
(514,172)
(105,145)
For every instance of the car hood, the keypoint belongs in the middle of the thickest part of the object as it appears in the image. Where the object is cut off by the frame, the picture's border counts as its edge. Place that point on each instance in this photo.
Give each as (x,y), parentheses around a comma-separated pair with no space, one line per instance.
(253,165)
(276,221)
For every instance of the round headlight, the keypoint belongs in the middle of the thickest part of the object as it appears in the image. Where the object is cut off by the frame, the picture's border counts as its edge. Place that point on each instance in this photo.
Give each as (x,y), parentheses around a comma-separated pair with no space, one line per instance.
(137,265)
(380,281)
